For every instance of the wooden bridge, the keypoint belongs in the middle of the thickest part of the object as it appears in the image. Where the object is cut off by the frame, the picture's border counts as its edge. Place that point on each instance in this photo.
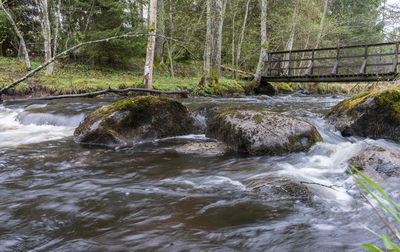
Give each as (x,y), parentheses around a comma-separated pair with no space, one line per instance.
(370,62)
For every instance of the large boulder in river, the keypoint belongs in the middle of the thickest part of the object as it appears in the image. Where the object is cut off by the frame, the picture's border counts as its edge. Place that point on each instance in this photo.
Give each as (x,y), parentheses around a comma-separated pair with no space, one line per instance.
(262,132)
(131,120)
(378,162)
(374,115)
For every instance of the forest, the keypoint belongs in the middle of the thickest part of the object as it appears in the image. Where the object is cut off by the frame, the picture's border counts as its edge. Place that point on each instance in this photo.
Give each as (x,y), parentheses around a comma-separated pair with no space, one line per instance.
(193,39)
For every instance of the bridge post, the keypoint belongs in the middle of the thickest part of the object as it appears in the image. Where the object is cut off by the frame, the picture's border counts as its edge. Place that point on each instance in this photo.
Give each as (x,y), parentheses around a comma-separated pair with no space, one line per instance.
(364,64)
(310,70)
(396,59)
(335,67)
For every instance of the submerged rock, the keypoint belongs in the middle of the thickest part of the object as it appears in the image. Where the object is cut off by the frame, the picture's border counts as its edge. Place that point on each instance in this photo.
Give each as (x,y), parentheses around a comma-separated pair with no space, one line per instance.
(281,188)
(131,120)
(374,115)
(262,132)
(207,148)
(378,161)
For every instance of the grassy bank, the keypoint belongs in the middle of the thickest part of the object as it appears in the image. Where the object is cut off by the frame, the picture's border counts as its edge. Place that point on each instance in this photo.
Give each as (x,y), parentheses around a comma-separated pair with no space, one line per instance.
(72,78)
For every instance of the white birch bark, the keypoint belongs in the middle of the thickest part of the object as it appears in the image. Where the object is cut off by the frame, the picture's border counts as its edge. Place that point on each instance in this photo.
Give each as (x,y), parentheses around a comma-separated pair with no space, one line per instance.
(46,32)
(263,52)
(321,26)
(19,35)
(208,44)
(218,24)
(56,30)
(159,50)
(170,43)
(241,38)
(148,68)
(289,44)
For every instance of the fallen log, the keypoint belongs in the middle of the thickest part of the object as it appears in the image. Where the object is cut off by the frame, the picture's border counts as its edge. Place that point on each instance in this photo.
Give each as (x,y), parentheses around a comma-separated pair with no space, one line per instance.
(183,93)
(225,68)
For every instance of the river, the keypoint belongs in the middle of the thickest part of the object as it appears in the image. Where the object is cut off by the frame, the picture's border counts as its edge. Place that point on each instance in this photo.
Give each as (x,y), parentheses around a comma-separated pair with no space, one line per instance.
(56,195)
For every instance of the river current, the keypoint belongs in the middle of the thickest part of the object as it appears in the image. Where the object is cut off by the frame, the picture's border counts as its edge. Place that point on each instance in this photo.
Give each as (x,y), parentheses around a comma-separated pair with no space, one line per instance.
(56,195)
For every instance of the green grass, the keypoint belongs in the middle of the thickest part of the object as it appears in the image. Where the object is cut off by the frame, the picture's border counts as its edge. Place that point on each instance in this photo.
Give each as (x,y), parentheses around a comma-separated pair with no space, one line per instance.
(78,78)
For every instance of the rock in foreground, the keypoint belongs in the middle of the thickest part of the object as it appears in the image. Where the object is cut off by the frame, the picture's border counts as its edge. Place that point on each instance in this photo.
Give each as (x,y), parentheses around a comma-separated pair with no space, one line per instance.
(378,162)
(131,120)
(262,132)
(374,115)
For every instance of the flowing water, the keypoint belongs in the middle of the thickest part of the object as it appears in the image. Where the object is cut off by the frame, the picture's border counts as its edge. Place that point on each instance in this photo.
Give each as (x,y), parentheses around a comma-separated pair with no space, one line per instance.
(56,195)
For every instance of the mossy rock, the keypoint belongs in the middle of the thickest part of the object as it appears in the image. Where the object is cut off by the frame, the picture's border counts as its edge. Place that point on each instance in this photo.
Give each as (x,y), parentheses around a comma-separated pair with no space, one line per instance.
(262,132)
(374,115)
(285,89)
(131,120)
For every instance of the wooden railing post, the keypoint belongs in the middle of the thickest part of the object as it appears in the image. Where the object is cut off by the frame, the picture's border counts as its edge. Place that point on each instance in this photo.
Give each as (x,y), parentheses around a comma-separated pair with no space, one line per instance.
(396,59)
(269,64)
(310,70)
(364,64)
(335,67)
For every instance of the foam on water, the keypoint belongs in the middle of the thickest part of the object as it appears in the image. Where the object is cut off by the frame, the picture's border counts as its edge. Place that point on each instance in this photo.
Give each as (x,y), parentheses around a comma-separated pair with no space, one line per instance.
(14,133)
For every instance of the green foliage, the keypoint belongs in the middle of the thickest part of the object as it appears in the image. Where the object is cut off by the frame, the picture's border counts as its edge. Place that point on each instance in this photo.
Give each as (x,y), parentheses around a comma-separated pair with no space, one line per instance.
(392,209)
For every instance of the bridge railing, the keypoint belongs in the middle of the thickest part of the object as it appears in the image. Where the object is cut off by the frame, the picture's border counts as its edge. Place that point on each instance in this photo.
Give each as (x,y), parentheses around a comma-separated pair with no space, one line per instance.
(360,60)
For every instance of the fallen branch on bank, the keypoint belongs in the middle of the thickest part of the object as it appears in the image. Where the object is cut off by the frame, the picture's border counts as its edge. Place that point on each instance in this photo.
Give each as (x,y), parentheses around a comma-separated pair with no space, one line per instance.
(31,73)
(225,68)
(101,92)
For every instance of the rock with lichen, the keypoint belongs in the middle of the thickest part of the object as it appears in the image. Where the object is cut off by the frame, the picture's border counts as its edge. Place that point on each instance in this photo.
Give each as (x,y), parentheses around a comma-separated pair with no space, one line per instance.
(205,148)
(374,115)
(280,189)
(262,132)
(133,120)
(378,162)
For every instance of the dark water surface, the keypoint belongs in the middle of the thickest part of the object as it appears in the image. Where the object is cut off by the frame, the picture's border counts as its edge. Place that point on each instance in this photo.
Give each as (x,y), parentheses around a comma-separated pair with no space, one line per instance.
(56,195)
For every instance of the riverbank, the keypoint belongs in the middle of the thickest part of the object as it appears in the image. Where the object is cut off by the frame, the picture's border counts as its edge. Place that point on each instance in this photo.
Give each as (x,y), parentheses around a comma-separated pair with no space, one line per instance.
(73,78)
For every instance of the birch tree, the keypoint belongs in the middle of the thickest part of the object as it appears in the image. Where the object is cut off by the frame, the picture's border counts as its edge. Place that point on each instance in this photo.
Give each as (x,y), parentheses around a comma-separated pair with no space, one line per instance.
(19,35)
(159,47)
(208,43)
(321,26)
(46,32)
(218,25)
(148,68)
(241,37)
(264,43)
(170,42)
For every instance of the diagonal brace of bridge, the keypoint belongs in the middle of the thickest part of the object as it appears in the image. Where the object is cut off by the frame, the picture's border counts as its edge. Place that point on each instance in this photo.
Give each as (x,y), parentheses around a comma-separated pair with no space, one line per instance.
(358,63)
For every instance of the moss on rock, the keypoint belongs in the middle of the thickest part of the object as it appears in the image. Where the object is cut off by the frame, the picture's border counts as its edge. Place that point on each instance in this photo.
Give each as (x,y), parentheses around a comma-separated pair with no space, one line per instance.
(375,115)
(286,88)
(130,120)
(262,132)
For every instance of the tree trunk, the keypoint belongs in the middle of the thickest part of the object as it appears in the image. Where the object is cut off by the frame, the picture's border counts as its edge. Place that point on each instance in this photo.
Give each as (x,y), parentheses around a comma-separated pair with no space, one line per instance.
(240,43)
(321,26)
(289,44)
(233,40)
(46,32)
(148,68)
(170,43)
(56,31)
(264,43)
(19,35)
(159,50)
(208,45)
(218,24)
